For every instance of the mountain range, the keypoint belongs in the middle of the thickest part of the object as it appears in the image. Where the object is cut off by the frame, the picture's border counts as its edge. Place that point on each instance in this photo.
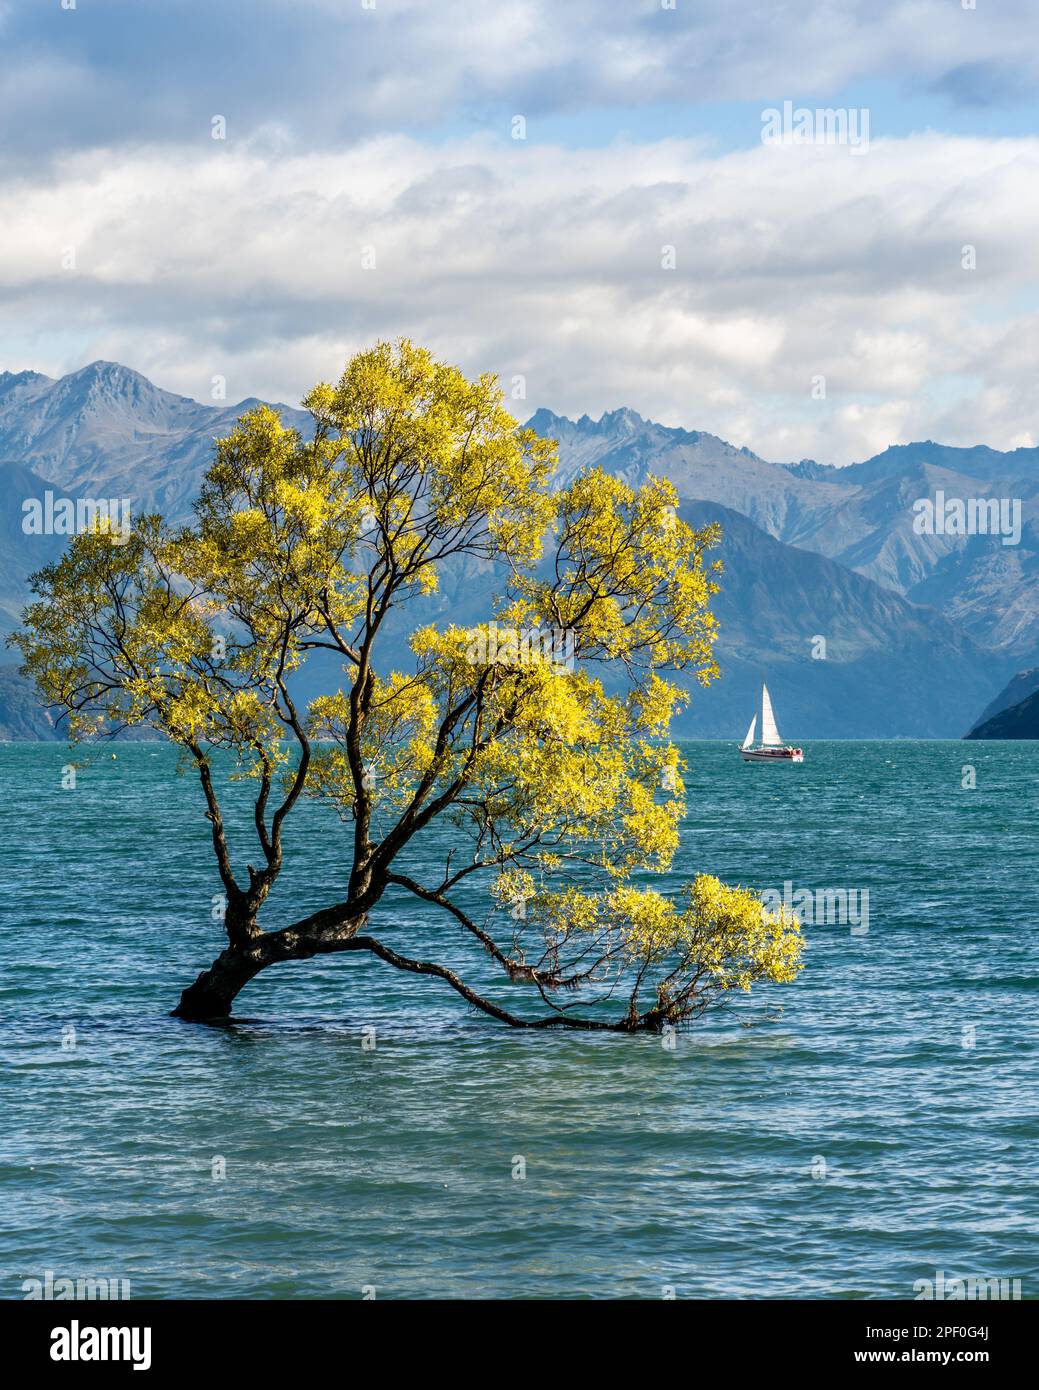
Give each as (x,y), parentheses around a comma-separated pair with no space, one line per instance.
(919,631)
(861,516)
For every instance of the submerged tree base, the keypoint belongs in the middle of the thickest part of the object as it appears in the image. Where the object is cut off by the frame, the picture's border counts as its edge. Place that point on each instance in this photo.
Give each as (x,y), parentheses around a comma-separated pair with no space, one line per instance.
(213,993)
(210,998)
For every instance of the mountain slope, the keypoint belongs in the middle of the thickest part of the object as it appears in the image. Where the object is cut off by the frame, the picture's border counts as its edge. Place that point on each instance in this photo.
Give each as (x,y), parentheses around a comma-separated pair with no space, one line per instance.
(1019,721)
(21,714)
(108,431)
(20,554)
(892,669)
(861,516)
(1019,688)
(700,466)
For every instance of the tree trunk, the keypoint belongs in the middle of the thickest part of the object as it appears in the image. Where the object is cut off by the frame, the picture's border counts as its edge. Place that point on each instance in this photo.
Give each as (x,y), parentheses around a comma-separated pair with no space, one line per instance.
(213,993)
(210,998)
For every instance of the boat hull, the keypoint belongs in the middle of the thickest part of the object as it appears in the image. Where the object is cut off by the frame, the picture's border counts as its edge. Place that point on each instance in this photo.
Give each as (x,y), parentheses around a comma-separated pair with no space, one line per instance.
(772,755)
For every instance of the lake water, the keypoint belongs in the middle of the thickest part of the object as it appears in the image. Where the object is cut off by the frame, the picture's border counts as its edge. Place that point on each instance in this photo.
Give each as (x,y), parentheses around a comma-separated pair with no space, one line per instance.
(844,1136)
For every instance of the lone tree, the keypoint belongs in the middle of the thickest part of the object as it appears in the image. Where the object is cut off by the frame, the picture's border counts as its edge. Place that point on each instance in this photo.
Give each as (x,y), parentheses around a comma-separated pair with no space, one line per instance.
(557,791)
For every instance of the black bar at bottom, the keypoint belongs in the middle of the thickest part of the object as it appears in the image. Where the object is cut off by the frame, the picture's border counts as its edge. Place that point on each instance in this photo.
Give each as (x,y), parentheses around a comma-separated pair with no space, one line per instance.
(209,1339)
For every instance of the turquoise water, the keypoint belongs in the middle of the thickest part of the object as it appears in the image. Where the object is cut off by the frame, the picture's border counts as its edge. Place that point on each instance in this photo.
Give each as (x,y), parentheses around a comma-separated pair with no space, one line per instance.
(904,1060)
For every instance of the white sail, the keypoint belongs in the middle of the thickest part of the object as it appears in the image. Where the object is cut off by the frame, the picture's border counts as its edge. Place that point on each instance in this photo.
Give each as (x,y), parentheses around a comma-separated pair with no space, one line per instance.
(750,733)
(769,733)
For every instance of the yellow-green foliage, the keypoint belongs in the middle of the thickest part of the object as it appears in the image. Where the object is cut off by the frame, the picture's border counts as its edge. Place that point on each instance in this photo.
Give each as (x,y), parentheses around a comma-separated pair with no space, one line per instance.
(559,781)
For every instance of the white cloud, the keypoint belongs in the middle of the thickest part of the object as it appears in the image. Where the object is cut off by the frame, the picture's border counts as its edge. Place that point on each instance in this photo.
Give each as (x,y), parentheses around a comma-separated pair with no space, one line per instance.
(326,72)
(246,261)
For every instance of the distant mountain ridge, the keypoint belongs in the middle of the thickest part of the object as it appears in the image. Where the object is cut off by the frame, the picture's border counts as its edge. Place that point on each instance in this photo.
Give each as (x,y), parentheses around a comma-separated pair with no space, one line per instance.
(106,430)
(861,516)
(807,546)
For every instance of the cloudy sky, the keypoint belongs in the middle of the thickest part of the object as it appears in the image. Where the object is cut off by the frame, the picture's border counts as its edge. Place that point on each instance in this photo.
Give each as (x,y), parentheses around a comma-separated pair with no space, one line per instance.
(640,245)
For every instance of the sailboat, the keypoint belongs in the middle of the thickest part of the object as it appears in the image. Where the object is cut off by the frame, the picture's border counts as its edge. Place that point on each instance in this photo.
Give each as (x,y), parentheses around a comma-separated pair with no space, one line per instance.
(771,749)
